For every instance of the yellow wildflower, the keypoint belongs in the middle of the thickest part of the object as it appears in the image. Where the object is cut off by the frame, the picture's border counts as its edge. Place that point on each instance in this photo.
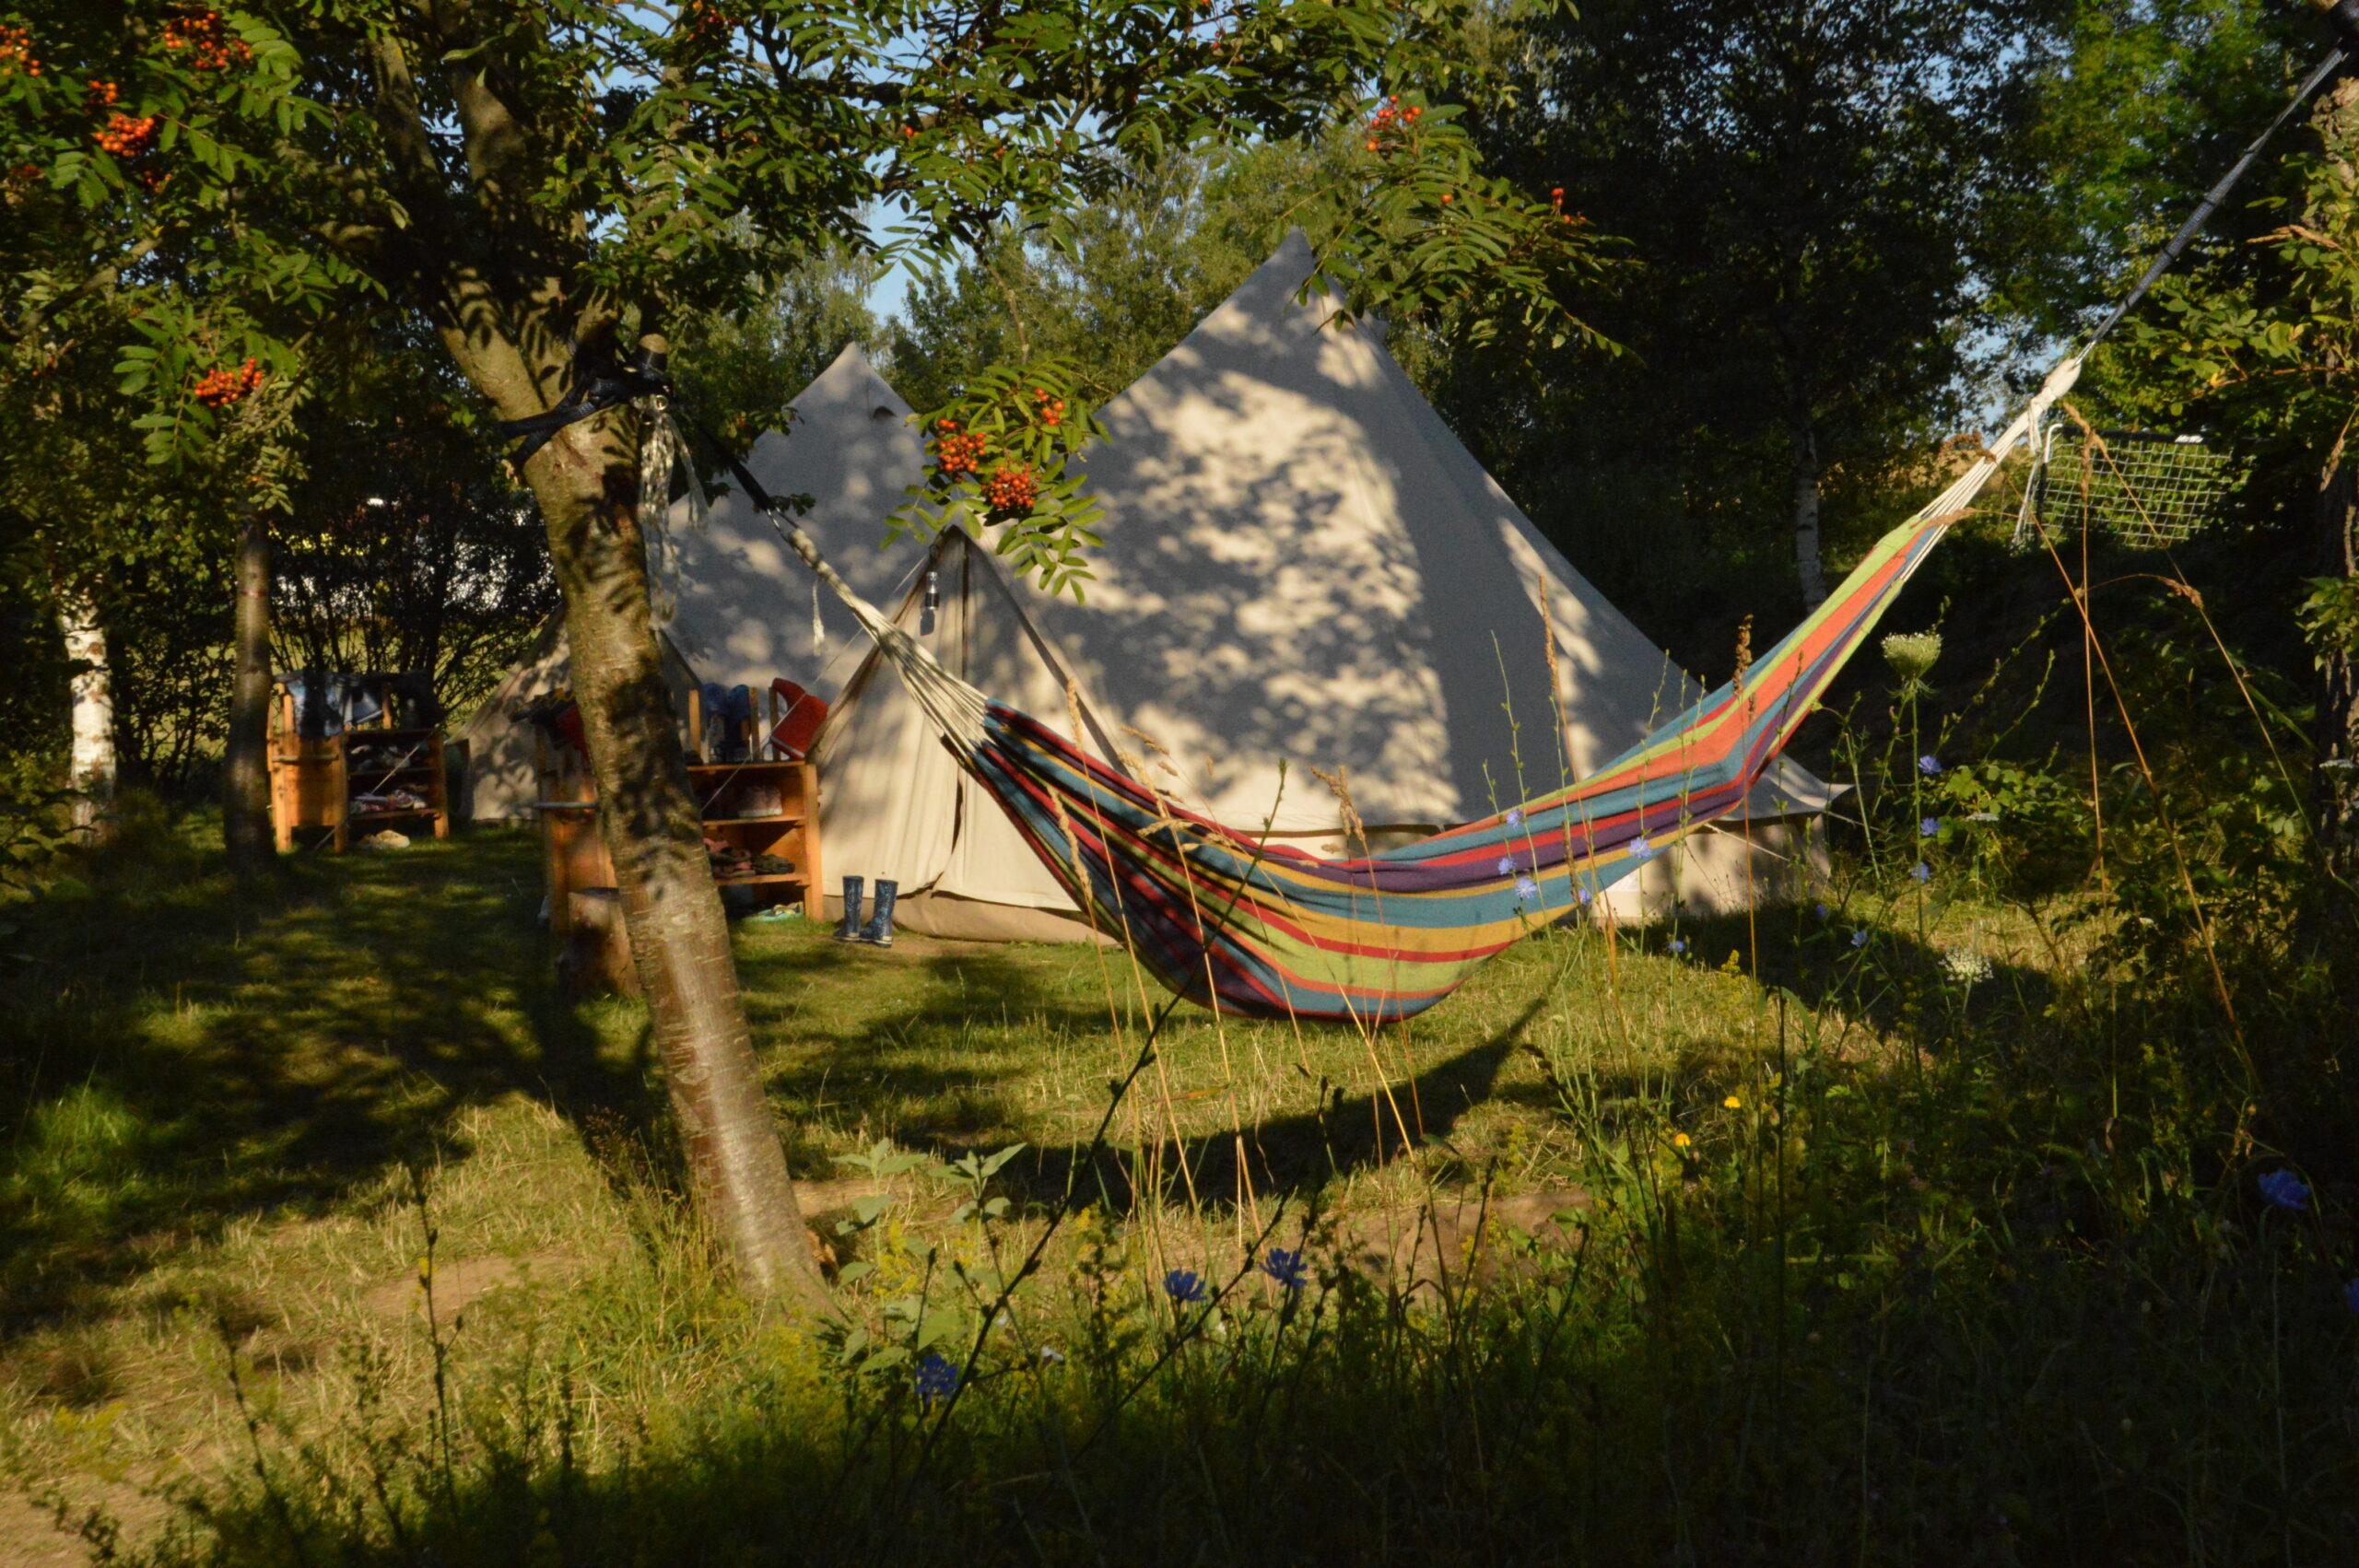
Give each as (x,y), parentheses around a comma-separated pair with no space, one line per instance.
(1680,1141)
(1733,1103)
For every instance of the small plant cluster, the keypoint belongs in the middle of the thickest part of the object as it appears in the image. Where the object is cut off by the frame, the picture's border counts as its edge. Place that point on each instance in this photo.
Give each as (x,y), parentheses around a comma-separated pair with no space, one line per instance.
(222,386)
(999,460)
(1392,124)
(17,51)
(205,37)
(958,452)
(126,135)
(1011,490)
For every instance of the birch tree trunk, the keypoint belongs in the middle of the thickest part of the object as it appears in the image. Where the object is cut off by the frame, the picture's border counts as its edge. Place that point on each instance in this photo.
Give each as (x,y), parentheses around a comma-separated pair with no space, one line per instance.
(246,784)
(90,759)
(1808,569)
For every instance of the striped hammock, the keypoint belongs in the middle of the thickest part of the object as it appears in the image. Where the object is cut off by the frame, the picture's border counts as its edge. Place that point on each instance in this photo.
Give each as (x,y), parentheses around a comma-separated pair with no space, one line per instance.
(1230,920)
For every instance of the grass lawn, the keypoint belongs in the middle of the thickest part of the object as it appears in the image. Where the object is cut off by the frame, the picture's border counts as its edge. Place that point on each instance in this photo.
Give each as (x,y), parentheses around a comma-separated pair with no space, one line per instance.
(211,1235)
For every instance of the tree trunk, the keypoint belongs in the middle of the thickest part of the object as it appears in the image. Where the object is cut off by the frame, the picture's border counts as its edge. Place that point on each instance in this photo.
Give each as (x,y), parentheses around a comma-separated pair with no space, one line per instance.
(2337,789)
(1812,574)
(90,760)
(245,785)
(587,483)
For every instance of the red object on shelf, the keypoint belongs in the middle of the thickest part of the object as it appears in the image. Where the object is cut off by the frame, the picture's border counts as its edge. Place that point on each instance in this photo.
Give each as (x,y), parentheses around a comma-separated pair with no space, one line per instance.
(798,725)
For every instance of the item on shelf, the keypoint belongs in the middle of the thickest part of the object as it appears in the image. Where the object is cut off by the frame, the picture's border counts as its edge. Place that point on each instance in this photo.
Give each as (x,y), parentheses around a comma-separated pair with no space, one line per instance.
(756,800)
(370,801)
(385,838)
(773,865)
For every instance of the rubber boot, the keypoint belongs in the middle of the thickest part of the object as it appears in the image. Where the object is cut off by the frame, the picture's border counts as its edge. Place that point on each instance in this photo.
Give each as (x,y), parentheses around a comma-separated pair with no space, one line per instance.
(849,929)
(878,932)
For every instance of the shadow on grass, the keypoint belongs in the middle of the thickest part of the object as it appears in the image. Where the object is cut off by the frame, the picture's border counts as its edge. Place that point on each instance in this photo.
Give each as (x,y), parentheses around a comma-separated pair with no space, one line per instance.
(181,1053)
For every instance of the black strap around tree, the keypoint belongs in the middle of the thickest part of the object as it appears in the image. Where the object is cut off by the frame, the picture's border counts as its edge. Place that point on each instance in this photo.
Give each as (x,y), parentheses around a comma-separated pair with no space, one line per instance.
(647,375)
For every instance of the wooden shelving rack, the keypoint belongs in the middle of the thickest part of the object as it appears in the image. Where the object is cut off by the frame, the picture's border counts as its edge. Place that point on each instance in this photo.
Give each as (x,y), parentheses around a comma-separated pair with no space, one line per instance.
(313,782)
(760,806)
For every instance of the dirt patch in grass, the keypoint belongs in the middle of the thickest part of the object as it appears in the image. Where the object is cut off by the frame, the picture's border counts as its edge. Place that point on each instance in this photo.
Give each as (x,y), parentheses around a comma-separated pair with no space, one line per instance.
(461,1283)
(1441,1242)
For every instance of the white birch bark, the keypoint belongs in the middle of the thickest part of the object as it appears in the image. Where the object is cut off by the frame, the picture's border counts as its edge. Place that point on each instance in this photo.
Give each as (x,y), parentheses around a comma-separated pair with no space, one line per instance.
(90,761)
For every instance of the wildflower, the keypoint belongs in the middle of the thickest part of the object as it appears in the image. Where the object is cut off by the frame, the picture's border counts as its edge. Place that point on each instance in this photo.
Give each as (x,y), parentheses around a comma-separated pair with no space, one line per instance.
(1860,937)
(1680,1141)
(1929,764)
(2351,1298)
(1184,1286)
(1506,865)
(2286,1189)
(1733,1103)
(1286,1267)
(1639,849)
(1585,895)
(1966,966)
(1515,816)
(936,1378)
(1527,890)
(1912,655)
(1820,909)
(1051,1357)
(1678,945)
(1927,827)
(1920,872)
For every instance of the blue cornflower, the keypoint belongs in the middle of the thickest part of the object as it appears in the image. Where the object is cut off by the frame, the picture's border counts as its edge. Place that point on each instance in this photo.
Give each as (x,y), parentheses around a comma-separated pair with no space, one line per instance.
(1585,896)
(1506,865)
(936,1378)
(1184,1286)
(1286,1268)
(1929,827)
(1860,937)
(1515,816)
(1920,871)
(1641,848)
(1678,945)
(1929,764)
(1526,891)
(1820,909)
(2286,1189)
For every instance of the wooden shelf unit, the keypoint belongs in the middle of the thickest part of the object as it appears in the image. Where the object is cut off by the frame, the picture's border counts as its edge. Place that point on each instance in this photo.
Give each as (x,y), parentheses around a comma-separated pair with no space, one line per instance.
(314,781)
(574,853)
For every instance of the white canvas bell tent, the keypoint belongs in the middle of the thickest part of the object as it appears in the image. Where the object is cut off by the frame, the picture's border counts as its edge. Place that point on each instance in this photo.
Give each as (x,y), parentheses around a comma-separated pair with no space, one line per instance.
(735,607)
(1302,565)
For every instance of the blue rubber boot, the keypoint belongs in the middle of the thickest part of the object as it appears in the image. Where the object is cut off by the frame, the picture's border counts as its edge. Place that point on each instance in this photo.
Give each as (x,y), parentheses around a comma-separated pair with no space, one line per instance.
(849,929)
(878,932)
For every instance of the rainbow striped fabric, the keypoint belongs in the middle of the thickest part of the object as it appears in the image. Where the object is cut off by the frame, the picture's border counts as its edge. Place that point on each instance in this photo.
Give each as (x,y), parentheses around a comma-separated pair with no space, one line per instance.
(1267,930)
